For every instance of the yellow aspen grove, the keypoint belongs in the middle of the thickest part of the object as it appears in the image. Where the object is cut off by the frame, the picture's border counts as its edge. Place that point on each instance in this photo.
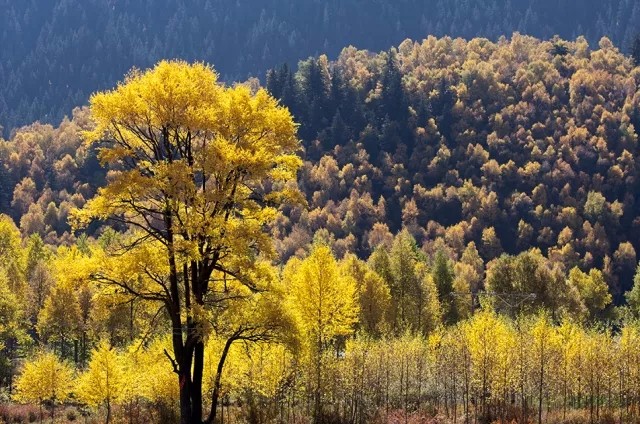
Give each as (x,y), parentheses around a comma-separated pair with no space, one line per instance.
(199,170)
(45,379)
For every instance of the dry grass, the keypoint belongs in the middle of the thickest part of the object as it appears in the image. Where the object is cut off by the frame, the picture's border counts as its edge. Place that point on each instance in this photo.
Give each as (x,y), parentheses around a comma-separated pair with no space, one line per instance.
(19,414)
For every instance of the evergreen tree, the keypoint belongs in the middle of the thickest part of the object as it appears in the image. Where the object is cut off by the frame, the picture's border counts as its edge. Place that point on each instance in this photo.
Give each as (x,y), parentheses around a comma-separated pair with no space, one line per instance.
(443,276)
(635,50)
(405,286)
(633,296)
(393,101)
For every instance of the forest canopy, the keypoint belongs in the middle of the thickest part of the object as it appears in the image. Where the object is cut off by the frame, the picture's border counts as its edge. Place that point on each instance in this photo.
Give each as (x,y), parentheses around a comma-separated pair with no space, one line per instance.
(511,145)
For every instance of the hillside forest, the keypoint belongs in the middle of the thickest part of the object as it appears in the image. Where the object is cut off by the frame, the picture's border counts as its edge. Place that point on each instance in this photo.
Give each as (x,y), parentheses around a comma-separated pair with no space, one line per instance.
(445,231)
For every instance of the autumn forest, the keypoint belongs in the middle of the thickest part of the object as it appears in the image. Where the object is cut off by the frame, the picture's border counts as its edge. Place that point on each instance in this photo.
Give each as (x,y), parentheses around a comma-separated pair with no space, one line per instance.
(444,231)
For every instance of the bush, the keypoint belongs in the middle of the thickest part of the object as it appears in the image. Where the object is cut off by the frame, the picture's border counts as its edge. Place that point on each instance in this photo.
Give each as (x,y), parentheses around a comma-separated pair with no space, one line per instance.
(582,417)
(401,417)
(18,414)
(4,413)
(167,413)
(72,414)
(331,418)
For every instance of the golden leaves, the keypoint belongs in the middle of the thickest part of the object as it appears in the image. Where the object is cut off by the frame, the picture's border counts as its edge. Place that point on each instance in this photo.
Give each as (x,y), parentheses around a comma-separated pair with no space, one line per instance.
(45,378)
(322,295)
(104,381)
(175,94)
(218,159)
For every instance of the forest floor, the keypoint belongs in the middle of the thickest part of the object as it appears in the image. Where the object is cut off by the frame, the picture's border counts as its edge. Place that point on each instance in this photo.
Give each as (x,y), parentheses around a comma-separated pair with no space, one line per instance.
(25,414)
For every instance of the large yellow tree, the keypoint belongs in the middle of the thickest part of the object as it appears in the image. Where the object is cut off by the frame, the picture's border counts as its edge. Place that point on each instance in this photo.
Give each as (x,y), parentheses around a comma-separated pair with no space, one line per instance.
(198,172)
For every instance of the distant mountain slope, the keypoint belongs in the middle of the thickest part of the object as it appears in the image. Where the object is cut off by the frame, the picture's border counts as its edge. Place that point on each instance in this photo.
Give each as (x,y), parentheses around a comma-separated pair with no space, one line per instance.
(53,53)
(511,145)
(515,145)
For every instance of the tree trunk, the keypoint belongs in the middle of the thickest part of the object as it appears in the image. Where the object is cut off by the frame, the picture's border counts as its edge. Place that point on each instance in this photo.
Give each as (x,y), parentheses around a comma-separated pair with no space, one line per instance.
(541,387)
(185,398)
(182,352)
(216,387)
(196,390)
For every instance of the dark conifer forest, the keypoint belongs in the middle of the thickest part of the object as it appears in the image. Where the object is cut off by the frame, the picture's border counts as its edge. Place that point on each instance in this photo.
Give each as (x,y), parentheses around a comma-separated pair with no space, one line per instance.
(54,53)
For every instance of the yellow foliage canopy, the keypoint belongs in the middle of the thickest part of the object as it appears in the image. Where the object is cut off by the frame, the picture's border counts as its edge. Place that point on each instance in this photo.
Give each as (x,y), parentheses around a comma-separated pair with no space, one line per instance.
(45,378)
(323,296)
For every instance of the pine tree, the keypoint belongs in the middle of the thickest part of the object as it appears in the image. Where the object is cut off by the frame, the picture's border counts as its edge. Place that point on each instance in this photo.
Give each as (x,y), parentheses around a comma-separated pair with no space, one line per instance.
(635,50)
(393,99)
(443,277)
(633,296)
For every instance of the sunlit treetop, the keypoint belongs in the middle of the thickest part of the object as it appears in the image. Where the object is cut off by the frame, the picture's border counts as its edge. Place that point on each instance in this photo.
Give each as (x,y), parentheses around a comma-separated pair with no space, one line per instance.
(219,160)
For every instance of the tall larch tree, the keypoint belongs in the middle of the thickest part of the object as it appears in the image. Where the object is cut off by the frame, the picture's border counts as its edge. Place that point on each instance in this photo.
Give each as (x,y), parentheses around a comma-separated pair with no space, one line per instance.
(103,384)
(373,295)
(545,346)
(60,318)
(405,289)
(12,331)
(324,297)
